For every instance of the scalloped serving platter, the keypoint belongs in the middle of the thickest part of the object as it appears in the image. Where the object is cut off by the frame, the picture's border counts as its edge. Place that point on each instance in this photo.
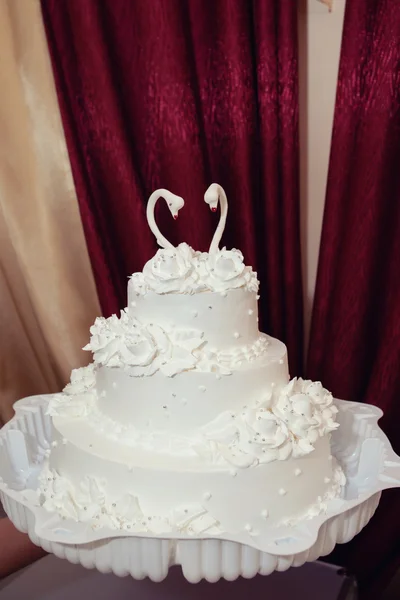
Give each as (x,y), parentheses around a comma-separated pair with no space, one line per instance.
(359,444)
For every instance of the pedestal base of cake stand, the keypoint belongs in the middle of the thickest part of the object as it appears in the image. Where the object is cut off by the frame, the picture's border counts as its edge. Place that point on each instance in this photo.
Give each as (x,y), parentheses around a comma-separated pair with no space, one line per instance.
(211,559)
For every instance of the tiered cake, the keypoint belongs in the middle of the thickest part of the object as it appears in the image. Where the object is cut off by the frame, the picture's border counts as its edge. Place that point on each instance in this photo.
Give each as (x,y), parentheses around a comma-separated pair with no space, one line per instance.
(186,421)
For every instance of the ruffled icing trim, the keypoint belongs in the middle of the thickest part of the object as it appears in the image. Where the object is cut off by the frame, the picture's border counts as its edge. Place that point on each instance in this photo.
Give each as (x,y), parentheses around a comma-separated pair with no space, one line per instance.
(89,503)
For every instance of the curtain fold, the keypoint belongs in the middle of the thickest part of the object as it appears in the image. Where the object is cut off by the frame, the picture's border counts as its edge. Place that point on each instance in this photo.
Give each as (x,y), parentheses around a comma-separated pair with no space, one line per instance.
(355,336)
(178,94)
(47,294)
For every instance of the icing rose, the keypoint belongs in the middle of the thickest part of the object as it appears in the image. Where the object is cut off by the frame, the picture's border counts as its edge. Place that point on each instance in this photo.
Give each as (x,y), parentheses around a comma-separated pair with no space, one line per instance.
(141,348)
(138,283)
(255,436)
(145,349)
(82,380)
(105,340)
(225,270)
(171,270)
(266,435)
(90,502)
(115,342)
(308,410)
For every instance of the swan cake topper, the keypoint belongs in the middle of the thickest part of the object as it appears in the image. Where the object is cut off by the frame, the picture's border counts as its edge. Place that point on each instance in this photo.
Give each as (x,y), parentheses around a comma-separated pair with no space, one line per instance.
(180,269)
(214,194)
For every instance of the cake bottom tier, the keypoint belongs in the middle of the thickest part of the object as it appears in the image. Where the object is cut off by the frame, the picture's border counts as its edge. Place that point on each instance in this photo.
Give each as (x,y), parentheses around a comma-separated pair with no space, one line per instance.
(89,478)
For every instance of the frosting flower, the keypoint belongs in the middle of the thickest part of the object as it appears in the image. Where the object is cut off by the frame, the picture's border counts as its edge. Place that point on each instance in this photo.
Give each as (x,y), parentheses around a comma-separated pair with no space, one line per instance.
(266,435)
(141,347)
(308,410)
(245,440)
(82,380)
(138,283)
(171,270)
(145,349)
(105,340)
(78,398)
(225,270)
(116,342)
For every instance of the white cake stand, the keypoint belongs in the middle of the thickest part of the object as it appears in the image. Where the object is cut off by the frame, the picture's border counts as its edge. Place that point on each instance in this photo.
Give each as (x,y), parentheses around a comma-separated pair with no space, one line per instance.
(359,444)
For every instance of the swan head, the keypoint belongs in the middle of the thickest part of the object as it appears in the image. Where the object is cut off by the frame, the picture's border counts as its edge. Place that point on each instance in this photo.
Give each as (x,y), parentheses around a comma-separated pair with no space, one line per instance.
(175,203)
(211,196)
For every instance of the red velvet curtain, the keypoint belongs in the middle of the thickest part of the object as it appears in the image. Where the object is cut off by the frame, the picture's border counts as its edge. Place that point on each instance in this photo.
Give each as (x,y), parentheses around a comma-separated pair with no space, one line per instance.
(178,94)
(355,337)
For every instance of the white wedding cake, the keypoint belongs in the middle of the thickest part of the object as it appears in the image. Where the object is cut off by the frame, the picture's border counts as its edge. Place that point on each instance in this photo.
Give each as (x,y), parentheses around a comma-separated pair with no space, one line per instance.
(186,420)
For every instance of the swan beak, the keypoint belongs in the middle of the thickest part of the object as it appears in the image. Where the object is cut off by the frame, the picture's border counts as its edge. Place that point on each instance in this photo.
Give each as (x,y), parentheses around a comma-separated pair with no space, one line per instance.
(214,208)
(175,217)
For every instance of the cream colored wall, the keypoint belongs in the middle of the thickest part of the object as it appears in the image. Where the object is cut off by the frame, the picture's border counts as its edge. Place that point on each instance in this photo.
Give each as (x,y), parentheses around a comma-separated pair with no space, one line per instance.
(320,33)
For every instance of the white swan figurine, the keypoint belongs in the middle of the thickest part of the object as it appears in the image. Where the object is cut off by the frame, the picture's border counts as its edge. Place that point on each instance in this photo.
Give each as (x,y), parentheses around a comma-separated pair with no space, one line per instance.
(214,194)
(174,203)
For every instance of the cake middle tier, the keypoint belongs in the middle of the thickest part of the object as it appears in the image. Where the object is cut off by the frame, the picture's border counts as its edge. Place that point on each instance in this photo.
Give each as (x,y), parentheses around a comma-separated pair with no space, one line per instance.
(184,403)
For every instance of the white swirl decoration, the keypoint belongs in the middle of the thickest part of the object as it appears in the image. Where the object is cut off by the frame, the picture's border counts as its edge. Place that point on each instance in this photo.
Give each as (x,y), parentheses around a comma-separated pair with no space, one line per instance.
(288,423)
(144,349)
(78,397)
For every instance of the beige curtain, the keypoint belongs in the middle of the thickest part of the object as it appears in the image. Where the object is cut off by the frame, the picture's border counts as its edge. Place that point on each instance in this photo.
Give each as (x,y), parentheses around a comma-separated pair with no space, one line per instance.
(47,293)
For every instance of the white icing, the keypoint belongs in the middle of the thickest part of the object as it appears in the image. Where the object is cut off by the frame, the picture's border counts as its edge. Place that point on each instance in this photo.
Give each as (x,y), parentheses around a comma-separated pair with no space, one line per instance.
(171,270)
(287,423)
(78,398)
(144,349)
(217,316)
(90,503)
(82,380)
(137,402)
(225,270)
(308,410)
(161,483)
(184,271)
(337,481)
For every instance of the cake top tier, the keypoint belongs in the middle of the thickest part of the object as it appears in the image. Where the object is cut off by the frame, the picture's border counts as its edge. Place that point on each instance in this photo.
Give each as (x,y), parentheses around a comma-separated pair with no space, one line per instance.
(182,270)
